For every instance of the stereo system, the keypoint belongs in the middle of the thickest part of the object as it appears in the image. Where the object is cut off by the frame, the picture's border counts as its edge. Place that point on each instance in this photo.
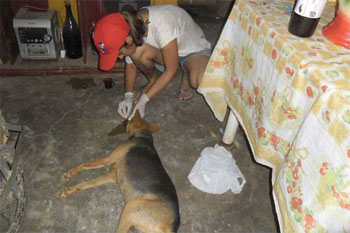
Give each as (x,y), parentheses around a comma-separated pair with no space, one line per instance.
(38,34)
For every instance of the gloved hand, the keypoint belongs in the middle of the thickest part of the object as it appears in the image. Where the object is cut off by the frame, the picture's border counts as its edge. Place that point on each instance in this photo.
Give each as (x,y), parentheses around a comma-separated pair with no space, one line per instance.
(125,106)
(140,106)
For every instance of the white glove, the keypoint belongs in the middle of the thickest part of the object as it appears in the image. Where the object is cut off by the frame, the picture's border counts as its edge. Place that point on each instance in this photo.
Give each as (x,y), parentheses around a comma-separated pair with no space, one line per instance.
(140,106)
(125,106)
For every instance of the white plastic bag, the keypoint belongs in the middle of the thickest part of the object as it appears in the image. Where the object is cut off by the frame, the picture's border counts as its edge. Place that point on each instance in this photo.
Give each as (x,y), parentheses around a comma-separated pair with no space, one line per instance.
(216,171)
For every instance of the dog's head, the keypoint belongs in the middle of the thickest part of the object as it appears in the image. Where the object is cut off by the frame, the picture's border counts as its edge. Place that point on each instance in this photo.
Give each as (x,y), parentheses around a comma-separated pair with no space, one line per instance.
(137,123)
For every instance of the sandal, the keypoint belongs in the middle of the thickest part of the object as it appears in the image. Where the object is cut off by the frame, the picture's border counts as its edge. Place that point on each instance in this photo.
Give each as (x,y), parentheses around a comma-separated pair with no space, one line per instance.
(183,91)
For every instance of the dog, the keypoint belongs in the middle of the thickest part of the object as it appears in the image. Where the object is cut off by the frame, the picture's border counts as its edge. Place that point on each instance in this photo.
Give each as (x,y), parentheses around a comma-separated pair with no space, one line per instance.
(151,203)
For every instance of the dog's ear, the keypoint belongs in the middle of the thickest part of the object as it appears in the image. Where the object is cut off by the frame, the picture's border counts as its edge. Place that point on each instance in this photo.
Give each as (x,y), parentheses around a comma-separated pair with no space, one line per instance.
(137,117)
(155,128)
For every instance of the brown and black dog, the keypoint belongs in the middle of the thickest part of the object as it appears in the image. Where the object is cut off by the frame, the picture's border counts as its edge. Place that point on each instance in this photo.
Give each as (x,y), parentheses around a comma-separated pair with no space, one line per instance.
(151,203)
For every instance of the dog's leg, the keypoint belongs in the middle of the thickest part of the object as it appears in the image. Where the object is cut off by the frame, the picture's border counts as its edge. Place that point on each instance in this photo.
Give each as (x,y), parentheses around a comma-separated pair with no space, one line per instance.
(102,162)
(127,217)
(110,177)
(116,154)
(146,215)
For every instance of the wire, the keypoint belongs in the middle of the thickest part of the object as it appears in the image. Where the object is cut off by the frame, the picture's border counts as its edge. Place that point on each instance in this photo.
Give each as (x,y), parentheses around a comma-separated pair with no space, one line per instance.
(45,9)
(36,8)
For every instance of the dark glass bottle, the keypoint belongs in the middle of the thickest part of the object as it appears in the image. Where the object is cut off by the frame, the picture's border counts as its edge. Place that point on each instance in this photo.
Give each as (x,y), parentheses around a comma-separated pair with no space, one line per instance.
(71,35)
(305,17)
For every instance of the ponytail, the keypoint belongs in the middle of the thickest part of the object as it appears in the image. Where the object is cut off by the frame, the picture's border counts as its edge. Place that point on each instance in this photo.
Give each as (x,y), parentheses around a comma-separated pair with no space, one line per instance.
(137,27)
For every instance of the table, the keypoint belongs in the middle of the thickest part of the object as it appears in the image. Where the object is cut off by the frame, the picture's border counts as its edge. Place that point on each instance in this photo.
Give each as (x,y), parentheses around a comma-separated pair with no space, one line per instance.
(292,98)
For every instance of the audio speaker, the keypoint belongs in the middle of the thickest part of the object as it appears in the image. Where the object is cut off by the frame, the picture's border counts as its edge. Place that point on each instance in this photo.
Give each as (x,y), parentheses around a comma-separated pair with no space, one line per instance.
(112,6)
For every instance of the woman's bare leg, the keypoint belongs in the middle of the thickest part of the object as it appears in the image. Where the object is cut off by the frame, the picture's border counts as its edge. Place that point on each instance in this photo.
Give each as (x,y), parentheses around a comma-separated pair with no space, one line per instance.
(186,91)
(196,68)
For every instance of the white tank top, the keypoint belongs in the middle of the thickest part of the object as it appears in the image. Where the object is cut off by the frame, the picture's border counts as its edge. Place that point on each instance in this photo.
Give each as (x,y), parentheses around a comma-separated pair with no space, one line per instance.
(167,22)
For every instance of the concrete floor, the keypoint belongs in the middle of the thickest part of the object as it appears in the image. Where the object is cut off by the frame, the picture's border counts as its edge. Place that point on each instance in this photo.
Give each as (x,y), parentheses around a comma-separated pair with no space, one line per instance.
(66,122)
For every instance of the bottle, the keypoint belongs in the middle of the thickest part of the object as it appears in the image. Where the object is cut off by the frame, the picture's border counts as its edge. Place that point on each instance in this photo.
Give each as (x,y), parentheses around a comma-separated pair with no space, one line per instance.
(71,35)
(338,31)
(305,17)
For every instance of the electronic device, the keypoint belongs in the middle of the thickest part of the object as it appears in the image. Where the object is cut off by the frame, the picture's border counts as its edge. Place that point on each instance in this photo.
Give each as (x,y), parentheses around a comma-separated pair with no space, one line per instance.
(124,5)
(38,34)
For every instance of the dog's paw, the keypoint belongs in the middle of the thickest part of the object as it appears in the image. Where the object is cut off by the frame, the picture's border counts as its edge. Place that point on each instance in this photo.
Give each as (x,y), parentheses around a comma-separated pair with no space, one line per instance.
(65,192)
(67,175)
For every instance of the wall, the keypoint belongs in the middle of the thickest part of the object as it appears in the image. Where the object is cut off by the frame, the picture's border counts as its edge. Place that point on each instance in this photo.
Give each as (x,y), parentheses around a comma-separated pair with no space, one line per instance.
(59,6)
(157,2)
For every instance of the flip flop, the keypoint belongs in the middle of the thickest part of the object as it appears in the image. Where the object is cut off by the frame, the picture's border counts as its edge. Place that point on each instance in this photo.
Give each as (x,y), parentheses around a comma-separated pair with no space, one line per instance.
(187,90)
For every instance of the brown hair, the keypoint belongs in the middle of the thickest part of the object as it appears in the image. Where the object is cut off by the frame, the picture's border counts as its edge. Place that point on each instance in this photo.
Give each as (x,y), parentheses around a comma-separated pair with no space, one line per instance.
(137,26)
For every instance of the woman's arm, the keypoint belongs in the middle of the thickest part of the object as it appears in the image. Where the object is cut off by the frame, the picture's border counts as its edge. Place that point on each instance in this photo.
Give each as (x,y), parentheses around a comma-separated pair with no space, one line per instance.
(171,63)
(129,77)
(125,106)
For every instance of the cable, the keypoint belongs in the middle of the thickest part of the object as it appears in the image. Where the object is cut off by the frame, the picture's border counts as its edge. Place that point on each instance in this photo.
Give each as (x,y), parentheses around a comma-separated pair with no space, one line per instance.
(45,9)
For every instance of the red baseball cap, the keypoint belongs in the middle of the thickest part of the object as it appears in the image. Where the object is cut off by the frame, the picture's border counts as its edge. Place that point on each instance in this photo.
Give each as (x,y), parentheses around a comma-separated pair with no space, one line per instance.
(109,36)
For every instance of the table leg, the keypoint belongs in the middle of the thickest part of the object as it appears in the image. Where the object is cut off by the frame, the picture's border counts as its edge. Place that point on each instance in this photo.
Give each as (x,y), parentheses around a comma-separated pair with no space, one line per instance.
(230,129)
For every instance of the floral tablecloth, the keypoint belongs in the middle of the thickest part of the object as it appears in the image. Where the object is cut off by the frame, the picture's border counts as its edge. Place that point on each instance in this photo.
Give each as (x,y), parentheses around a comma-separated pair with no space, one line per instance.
(292,97)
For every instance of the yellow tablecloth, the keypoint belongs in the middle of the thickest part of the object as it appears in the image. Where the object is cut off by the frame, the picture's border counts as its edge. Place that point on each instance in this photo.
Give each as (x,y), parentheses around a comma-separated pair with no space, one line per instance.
(292,97)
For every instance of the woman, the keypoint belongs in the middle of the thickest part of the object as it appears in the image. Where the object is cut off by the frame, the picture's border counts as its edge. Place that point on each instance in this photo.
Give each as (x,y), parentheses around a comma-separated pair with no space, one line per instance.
(161,37)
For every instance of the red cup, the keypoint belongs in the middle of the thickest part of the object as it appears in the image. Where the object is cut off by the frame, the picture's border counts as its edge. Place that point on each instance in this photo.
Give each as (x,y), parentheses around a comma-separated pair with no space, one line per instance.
(108,83)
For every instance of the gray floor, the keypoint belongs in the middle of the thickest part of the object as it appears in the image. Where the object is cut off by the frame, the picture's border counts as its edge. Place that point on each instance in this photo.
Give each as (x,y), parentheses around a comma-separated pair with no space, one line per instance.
(66,122)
